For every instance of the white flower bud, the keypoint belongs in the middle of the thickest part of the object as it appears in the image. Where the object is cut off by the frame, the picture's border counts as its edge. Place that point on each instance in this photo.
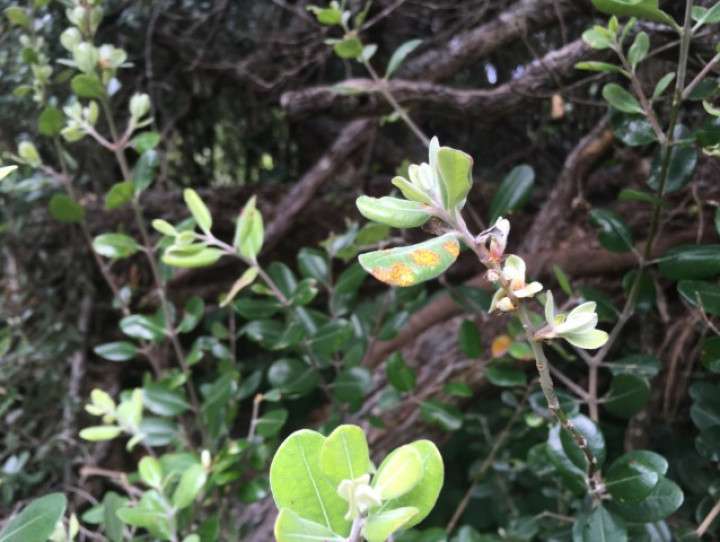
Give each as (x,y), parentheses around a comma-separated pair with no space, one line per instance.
(71,38)
(139,106)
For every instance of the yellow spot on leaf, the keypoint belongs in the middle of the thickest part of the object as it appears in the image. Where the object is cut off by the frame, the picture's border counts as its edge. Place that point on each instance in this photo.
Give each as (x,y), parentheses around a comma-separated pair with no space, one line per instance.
(425,257)
(398,275)
(453,248)
(500,346)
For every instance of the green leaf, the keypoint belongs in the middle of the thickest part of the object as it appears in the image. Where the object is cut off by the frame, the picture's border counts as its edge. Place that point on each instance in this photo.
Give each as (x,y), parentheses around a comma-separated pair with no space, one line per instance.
(598,38)
(113,525)
(683,160)
(17,16)
(313,264)
(37,521)
(117,351)
(599,525)
(352,384)
(198,209)
(615,234)
(65,209)
(118,195)
(400,375)
(151,514)
(344,454)
(150,472)
(710,354)
(190,486)
(630,194)
(642,9)
(424,495)
(514,192)
(410,191)
(142,327)
(192,314)
(184,257)
(595,66)
(144,171)
(6,170)
(717,215)
(87,86)
(379,527)
(246,279)
(51,121)
(445,415)
(706,16)
(627,396)
(455,169)
(292,377)
(458,389)
(348,47)
(644,365)
(595,439)
(158,432)
(328,16)
(632,130)
(470,340)
(701,294)
(708,443)
(159,399)
(629,480)
(289,527)
(100,432)
(330,337)
(406,266)
(298,483)
(399,56)
(399,473)
(663,501)
(250,232)
(639,49)
(115,246)
(662,85)
(146,141)
(271,422)
(690,262)
(395,212)
(621,99)
(505,377)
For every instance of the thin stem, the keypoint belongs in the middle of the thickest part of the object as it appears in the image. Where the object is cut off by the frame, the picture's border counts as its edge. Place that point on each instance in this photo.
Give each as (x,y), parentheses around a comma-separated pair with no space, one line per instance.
(700,76)
(357,526)
(255,412)
(705,525)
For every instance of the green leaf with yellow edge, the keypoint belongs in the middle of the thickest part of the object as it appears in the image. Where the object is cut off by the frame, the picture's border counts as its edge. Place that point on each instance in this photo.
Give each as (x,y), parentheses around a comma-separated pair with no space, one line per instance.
(289,527)
(399,473)
(299,484)
(344,454)
(198,209)
(249,231)
(407,266)
(379,527)
(424,495)
(456,173)
(410,191)
(642,9)
(395,212)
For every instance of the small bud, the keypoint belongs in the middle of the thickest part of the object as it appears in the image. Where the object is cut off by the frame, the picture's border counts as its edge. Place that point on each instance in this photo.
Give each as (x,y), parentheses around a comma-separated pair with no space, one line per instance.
(505,305)
(28,152)
(205,459)
(86,57)
(91,112)
(71,38)
(139,106)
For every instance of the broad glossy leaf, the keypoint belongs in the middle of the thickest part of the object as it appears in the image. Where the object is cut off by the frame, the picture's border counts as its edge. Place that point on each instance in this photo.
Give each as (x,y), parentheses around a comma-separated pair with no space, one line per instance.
(469,339)
(598,37)
(159,399)
(445,415)
(710,354)
(349,47)
(113,525)
(118,195)
(424,495)
(691,262)
(150,471)
(456,173)
(198,209)
(632,130)
(662,85)
(701,294)
(406,266)
(144,171)
(642,9)
(117,351)
(142,327)
(289,527)
(331,337)
(87,86)
(50,121)
(313,264)
(514,192)
(599,525)
(399,56)
(379,527)
(662,501)
(683,159)
(399,473)
(192,314)
(298,483)
(630,194)
(615,234)
(596,442)
(629,480)
(621,99)
(644,365)
(115,246)
(400,375)
(65,209)
(269,424)
(17,15)
(344,454)
(249,231)
(706,15)
(708,443)
(628,395)
(37,521)
(292,376)
(158,431)
(190,486)
(352,384)
(505,376)
(395,212)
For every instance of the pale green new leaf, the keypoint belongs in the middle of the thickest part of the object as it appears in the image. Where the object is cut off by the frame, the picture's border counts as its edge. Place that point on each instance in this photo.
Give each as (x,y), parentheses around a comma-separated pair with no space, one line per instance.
(197,256)
(6,170)
(456,174)
(289,527)
(399,473)
(191,483)
(406,266)
(642,9)
(410,191)
(249,231)
(621,99)
(198,209)
(589,340)
(379,527)
(344,454)
(100,432)
(395,212)
(37,520)
(399,56)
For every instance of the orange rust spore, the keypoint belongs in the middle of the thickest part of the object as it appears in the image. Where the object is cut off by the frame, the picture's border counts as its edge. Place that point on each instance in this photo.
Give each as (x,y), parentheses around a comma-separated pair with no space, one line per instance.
(453,248)
(398,275)
(425,257)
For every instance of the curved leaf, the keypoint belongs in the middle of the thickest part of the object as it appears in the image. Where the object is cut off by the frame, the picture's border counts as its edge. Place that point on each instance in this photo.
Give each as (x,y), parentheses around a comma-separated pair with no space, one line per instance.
(344,454)
(690,262)
(289,527)
(37,520)
(455,169)
(513,193)
(395,212)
